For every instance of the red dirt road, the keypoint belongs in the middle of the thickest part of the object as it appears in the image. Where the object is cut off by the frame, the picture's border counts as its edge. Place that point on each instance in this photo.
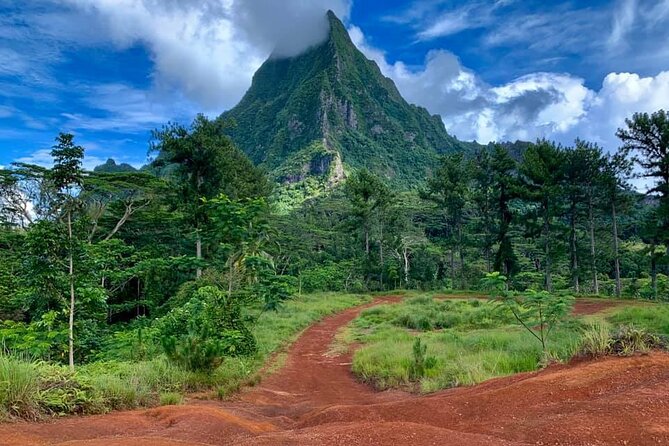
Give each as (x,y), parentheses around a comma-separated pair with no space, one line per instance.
(314,400)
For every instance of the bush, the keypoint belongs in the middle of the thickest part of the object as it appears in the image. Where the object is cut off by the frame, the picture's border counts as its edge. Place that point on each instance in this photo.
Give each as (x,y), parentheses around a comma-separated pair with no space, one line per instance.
(629,340)
(204,330)
(598,341)
(343,276)
(45,338)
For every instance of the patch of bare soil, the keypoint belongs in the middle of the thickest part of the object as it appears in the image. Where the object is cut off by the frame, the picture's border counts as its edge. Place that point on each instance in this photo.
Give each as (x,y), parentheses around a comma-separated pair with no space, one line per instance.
(315,400)
(593,306)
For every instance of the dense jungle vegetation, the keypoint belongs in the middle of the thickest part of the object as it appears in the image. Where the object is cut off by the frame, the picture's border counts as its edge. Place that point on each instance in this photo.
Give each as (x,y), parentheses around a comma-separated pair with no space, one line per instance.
(186,270)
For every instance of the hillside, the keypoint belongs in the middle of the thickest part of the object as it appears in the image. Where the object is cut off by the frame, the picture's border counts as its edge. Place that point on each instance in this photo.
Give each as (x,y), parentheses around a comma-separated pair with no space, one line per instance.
(331,109)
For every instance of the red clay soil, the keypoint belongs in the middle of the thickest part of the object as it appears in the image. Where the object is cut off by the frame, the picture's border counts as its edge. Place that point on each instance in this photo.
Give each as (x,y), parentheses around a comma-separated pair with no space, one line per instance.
(314,400)
(591,306)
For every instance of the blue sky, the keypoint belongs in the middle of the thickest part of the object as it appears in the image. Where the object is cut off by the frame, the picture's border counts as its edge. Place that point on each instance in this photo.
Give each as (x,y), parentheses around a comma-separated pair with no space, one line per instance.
(111,70)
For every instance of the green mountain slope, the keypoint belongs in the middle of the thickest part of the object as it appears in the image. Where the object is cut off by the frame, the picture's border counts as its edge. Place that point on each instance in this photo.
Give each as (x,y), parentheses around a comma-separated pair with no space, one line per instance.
(329,110)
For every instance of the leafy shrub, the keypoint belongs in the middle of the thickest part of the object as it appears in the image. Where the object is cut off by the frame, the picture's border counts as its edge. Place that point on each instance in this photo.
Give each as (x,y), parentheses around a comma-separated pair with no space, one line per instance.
(204,330)
(646,288)
(629,340)
(45,338)
(538,312)
(341,276)
(61,392)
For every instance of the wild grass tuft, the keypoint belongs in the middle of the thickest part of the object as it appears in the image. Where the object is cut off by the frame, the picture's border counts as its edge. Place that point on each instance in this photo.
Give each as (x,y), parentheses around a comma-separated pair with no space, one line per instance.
(171,399)
(19,384)
(596,340)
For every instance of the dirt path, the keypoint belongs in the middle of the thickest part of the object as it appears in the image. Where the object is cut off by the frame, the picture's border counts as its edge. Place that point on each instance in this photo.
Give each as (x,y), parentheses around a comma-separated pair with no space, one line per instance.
(314,400)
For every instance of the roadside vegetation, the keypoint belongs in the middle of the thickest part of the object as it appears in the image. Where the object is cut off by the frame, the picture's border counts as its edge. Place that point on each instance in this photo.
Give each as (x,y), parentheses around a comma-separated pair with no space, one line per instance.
(32,389)
(426,344)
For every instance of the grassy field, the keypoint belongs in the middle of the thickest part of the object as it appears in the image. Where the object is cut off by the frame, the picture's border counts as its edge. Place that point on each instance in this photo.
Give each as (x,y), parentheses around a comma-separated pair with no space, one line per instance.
(468,341)
(32,389)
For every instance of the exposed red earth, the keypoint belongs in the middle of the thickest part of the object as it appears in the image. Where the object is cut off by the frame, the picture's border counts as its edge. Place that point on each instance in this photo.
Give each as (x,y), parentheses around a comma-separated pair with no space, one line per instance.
(315,400)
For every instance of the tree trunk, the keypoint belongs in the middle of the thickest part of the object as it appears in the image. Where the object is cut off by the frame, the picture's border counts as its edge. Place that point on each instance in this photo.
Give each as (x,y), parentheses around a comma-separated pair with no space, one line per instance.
(615,248)
(366,241)
(547,253)
(119,224)
(573,248)
(452,269)
(381,255)
(593,252)
(71,319)
(230,271)
(198,254)
(406,267)
(463,285)
(653,272)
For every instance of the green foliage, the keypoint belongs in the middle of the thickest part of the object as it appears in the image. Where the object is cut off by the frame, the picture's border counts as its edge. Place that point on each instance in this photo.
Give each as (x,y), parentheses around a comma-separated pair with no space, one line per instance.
(538,312)
(207,328)
(427,314)
(332,277)
(596,340)
(647,135)
(45,338)
(171,399)
(626,340)
(67,172)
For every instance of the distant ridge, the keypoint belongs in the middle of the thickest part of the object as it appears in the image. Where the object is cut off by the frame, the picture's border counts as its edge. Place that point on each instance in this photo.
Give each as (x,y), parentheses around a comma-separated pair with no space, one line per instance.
(110,166)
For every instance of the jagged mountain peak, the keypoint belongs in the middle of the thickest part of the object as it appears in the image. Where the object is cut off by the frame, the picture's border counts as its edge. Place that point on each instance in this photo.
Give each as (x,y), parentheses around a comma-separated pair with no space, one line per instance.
(330,110)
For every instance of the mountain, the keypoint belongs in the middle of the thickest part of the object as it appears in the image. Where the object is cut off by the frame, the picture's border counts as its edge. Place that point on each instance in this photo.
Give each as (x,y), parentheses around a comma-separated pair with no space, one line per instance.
(111,167)
(330,110)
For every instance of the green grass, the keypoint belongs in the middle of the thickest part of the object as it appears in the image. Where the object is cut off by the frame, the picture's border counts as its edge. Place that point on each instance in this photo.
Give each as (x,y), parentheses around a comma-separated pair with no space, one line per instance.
(171,399)
(462,357)
(30,389)
(653,318)
(18,387)
(469,341)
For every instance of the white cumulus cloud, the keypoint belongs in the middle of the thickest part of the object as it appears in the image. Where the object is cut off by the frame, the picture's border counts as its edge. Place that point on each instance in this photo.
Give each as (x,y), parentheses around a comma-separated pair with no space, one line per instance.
(553,105)
(209,49)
